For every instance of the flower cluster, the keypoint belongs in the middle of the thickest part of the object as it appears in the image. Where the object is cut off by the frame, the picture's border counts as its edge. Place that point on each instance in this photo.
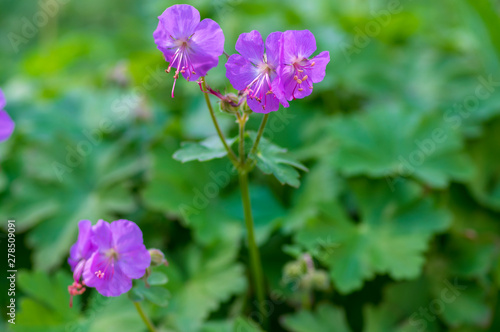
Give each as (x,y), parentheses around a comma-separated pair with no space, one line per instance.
(281,73)
(107,256)
(266,74)
(6,123)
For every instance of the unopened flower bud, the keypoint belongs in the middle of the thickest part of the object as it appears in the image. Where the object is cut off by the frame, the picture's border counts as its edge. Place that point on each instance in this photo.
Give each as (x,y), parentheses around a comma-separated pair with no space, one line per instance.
(320,280)
(157,257)
(227,103)
(306,282)
(294,270)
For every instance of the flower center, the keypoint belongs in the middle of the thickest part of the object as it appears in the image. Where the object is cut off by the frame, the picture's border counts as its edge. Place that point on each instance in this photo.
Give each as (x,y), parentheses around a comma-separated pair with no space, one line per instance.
(300,66)
(106,268)
(265,68)
(182,43)
(261,85)
(112,253)
(181,60)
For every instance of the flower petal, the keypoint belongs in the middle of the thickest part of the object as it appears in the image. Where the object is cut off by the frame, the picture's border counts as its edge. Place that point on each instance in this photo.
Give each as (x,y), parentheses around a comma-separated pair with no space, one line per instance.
(240,71)
(318,71)
(164,42)
(205,47)
(6,125)
(202,64)
(89,276)
(297,44)
(78,270)
(208,38)
(84,246)
(134,263)
(289,86)
(180,21)
(102,237)
(119,284)
(113,283)
(126,235)
(278,91)
(270,101)
(251,46)
(273,43)
(133,258)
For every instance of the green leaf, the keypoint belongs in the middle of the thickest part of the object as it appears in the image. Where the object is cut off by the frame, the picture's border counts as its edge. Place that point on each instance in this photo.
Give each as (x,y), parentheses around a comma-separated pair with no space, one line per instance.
(272,159)
(396,313)
(184,190)
(217,326)
(243,324)
(47,304)
(157,278)
(211,277)
(395,143)
(485,184)
(208,149)
(111,314)
(135,295)
(468,307)
(391,237)
(326,318)
(321,186)
(154,294)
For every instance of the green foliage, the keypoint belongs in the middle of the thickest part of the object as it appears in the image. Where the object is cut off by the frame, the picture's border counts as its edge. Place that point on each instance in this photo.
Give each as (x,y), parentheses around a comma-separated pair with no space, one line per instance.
(271,159)
(208,149)
(204,279)
(376,144)
(48,302)
(388,175)
(323,319)
(391,237)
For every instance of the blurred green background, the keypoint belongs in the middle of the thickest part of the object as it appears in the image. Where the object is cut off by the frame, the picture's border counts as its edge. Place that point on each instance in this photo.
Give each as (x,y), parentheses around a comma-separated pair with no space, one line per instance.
(400,206)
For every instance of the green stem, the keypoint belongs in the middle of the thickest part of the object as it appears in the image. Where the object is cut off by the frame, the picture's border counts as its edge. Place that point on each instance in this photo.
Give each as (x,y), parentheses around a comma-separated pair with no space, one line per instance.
(256,266)
(145,318)
(259,133)
(230,153)
(242,122)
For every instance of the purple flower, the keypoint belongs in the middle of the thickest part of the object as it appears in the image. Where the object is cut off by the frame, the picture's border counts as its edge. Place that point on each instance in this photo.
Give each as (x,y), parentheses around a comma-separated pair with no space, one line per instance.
(254,71)
(297,72)
(6,123)
(80,252)
(190,46)
(120,256)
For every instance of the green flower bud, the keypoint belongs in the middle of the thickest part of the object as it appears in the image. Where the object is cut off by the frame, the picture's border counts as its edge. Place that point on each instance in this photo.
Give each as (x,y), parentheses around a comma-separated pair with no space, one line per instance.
(320,280)
(306,282)
(226,103)
(157,257)
(294,270)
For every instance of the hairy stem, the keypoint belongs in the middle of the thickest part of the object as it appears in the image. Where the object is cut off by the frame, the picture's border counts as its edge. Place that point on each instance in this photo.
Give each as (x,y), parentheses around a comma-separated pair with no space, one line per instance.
(242,121)
(255,263)
(145,318)
(230,153)
(259,133)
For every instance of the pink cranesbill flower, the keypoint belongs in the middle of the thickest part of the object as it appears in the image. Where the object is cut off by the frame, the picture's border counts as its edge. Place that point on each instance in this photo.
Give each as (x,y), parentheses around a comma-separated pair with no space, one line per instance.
(297,72)
(6,123)
(190,46)
(120,256)
(254,71)
(80,252)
